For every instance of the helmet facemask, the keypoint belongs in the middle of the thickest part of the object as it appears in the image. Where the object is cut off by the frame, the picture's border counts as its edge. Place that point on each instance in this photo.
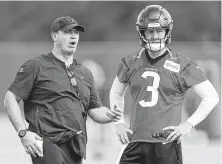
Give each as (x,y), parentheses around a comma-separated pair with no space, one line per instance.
(154,44)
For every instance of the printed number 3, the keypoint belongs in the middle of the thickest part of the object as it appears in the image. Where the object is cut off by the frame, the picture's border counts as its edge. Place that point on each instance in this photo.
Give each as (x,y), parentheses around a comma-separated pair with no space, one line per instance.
(152,89)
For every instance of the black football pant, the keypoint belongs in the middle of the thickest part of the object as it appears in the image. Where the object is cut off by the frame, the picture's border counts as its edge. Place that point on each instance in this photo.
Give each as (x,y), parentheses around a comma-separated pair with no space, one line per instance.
(151,153)
(57,154)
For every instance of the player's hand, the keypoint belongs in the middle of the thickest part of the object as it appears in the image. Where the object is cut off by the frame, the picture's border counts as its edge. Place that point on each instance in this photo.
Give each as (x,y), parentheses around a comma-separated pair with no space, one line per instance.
(33,144)
(115,114)
(122,132)
(178,132)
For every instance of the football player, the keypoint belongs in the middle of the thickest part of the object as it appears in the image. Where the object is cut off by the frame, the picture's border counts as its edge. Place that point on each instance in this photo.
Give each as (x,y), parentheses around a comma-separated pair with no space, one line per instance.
(158,79)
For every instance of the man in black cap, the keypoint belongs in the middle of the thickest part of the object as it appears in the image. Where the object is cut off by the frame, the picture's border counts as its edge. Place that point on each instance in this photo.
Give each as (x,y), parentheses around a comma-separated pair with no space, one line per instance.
(58,94)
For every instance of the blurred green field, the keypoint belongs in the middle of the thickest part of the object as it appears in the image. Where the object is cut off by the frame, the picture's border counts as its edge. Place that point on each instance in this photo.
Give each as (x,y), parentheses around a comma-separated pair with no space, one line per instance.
(197,149)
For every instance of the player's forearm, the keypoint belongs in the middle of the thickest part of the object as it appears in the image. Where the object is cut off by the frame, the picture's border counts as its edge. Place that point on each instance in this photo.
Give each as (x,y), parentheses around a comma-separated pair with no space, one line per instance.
(209,97)
(99,115)
(14,112)
(117,99)
(206,106)
(117,93)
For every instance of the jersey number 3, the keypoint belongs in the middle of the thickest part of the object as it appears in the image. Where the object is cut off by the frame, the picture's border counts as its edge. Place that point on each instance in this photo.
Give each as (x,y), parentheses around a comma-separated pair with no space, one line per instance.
(152,89)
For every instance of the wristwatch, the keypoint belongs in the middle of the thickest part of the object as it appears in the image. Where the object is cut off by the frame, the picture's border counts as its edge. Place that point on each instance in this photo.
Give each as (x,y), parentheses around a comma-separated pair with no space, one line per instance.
(22,133)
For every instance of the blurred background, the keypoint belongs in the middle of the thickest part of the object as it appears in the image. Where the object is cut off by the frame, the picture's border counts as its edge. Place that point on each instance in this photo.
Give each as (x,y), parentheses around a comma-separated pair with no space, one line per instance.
(110,34)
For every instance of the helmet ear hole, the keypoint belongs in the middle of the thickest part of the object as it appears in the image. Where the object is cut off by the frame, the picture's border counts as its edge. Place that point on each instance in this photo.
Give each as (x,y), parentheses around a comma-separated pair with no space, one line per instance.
(167,32)
(142,32)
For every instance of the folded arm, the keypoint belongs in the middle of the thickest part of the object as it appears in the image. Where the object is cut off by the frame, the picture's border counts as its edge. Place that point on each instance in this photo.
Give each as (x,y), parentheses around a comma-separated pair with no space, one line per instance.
(210,99)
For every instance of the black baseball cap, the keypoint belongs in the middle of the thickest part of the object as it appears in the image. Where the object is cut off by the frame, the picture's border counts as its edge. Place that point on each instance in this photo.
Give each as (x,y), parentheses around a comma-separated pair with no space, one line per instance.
(65,23)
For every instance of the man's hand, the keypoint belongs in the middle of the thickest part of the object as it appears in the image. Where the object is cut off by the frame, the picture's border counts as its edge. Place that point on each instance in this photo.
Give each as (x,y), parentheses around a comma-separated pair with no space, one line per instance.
(115,114)
(122,132)
(178,132)
(33,144)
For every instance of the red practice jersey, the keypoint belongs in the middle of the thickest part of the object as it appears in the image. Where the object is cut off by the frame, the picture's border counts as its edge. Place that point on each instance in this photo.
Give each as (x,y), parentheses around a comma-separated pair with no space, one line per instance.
(158,87)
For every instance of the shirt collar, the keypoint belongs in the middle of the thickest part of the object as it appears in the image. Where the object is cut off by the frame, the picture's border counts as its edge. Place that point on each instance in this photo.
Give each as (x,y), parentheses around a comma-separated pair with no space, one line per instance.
(73,65)
(151,60)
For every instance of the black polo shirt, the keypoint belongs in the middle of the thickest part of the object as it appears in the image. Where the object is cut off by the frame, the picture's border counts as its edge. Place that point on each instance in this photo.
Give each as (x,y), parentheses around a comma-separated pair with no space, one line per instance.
(56,98)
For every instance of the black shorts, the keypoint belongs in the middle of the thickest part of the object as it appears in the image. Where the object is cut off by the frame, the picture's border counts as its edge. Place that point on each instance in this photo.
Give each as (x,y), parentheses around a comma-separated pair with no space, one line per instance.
(150,153)
(57,154)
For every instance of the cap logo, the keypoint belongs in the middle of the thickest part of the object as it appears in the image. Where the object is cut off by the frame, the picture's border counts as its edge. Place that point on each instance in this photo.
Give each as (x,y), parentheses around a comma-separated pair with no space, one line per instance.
(154,25)
(21,70)
(71,20)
